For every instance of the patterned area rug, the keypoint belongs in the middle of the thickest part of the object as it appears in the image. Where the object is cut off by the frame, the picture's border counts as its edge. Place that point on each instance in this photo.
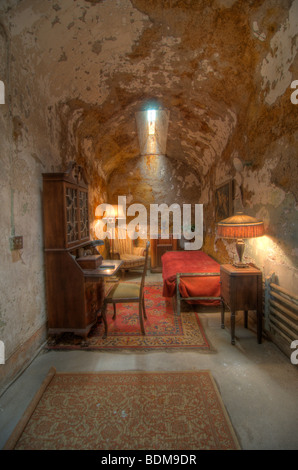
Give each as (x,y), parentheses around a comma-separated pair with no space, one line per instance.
(126,411)
(165,329)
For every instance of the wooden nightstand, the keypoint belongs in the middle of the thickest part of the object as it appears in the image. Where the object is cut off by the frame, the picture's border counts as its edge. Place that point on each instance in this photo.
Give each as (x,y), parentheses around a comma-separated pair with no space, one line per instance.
(241,289)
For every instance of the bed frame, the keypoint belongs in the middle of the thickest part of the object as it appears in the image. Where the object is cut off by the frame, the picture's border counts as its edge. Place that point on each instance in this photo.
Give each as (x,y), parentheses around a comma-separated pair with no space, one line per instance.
(179,297)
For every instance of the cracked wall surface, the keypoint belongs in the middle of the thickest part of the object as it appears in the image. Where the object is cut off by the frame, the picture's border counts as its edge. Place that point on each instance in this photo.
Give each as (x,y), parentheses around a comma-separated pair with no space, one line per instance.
(76,74)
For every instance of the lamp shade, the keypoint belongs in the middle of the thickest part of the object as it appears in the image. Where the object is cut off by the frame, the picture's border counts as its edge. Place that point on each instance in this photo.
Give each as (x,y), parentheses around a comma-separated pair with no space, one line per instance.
(119,212)
(114,212)
(240,226)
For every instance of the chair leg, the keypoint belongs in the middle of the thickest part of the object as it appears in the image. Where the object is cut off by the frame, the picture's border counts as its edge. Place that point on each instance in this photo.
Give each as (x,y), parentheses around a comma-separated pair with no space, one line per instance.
(103,314)
(114,316)
(144,310)
(141,318)
(245,319)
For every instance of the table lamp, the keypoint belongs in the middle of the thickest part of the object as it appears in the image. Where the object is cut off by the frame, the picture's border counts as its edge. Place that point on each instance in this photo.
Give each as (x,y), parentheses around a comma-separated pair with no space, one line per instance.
(239,227)
(113,213)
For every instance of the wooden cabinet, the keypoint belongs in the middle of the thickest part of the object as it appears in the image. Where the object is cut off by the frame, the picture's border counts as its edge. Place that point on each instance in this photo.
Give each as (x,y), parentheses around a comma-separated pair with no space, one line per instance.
(158,247)
(74,294)
(241,289)
(65,203)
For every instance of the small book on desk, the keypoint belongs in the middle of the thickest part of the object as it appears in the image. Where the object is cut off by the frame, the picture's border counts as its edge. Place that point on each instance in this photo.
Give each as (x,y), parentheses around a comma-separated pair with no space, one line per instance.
(107,266)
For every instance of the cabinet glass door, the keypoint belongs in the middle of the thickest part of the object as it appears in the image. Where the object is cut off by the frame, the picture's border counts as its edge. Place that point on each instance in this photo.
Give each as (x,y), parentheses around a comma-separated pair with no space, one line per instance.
(84,219)
(72,222)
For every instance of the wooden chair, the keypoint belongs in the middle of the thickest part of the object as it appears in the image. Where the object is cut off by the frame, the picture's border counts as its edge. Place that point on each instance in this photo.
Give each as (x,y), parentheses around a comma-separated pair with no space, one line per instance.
(125,292)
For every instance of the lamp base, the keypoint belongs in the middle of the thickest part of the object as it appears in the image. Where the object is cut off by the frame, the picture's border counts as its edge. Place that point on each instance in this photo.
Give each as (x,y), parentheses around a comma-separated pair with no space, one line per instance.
(240,246)
(241,265)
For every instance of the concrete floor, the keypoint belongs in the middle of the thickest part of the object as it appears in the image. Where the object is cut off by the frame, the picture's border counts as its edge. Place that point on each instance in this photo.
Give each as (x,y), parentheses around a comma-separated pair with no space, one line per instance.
(258,383)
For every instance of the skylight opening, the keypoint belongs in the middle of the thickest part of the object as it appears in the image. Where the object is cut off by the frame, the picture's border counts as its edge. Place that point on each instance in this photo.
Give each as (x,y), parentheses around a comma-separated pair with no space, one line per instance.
(151,118)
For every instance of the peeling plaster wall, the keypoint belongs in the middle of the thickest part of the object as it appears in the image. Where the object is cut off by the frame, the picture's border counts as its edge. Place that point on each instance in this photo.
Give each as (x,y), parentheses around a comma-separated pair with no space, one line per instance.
(276,66)
(276,252)
(277,204)
(271,202)
(156,179)
(25,151)
(268,146)
(76,74)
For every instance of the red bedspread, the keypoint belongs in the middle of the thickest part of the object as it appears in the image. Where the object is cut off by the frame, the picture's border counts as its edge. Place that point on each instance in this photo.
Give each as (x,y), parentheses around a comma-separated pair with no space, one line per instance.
(174,262)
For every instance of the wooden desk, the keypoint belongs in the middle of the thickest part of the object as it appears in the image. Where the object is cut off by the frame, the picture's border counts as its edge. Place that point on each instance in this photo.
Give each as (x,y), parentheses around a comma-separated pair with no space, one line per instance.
(77,295)
(241,289)
(74,294)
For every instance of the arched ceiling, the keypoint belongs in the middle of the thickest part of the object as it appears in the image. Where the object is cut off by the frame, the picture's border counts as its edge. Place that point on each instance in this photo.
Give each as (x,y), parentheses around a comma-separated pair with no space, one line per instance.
(187,57)
(94,64)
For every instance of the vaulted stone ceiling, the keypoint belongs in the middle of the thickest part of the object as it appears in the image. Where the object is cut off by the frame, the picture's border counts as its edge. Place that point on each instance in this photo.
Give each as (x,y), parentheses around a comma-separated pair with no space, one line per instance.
(197,59)
(85,68)
(94,64)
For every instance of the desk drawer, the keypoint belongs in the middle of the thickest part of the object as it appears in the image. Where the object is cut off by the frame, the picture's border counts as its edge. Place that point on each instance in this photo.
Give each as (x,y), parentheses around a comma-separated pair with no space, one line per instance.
(94,294)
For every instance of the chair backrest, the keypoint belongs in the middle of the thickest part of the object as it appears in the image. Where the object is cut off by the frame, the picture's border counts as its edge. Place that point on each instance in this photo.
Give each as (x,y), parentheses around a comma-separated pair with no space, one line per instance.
(145,268)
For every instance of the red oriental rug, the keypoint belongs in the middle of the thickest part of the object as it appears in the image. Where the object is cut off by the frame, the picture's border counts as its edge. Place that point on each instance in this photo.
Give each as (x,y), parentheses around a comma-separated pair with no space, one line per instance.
(165,329)
(126,411)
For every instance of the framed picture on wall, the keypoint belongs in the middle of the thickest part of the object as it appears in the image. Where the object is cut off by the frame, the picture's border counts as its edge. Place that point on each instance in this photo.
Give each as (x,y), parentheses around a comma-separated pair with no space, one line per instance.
(224,201)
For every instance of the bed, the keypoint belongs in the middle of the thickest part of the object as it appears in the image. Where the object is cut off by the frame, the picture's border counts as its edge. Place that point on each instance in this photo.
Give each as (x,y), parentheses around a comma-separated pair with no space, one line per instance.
(192,276)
